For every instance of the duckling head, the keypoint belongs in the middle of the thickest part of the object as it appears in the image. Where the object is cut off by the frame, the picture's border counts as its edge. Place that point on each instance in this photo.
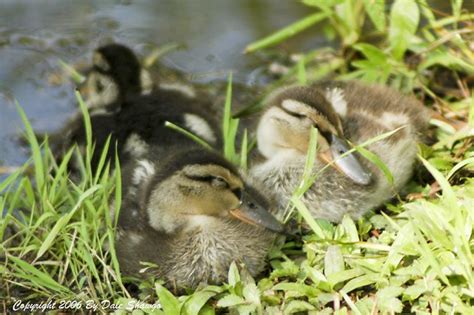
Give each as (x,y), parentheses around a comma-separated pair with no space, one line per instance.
(116,73)
(285,127)
(199,190)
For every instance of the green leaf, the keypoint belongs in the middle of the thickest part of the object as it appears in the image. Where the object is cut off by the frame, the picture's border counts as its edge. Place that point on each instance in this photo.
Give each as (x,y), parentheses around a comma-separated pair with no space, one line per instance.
(414,291)
(387,299)
(372,53)
(333,260)
(448,194)
(296,306)
(167,300)
(359,282)
(198,300)
(234,275)
(344,275)
(404,18)
(230,300)
(251,293)
(376,12)
(350,228)
(299,288)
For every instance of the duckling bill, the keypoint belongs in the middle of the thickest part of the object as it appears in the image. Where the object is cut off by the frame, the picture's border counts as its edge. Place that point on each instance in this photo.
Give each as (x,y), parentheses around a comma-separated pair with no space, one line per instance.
(191,215)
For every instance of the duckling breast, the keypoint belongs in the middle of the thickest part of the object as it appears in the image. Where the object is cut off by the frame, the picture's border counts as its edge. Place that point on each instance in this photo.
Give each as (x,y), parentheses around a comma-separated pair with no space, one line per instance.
(194,256)
(204,256)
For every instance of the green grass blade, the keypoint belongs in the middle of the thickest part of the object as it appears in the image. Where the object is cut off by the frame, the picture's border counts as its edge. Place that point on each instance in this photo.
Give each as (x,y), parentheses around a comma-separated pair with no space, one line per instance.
(188,134)
(227,108)
(229,126)
(304,212)
(159,52)
(35,148)
(102,160)
(38,276)
(88,128)
(118,189)
(302,72)
(244,152)
(286,32)
(63,221)
(72,73)
(471,111)
(457,167)
(448,193)
(372,157)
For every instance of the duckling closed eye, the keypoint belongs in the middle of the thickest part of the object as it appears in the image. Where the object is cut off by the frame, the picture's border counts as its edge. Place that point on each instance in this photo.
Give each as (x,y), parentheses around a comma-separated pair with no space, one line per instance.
(192,214)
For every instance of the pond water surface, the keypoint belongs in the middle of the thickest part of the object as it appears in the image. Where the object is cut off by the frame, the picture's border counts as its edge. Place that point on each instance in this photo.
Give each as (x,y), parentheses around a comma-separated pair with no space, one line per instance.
(34,35)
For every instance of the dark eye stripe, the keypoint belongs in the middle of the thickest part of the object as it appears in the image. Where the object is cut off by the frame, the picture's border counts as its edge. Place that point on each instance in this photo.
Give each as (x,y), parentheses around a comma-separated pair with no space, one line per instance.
(292,113)
(206,178)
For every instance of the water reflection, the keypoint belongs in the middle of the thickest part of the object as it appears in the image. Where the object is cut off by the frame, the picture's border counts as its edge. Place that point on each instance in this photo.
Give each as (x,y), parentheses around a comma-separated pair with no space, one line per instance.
(35,34)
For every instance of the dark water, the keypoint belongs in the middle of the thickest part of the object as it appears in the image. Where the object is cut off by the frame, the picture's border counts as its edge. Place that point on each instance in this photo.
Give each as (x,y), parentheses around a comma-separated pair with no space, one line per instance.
(34,35)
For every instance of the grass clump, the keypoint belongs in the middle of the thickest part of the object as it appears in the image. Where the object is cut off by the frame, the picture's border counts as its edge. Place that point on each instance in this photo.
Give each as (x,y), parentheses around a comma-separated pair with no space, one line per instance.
(416,254)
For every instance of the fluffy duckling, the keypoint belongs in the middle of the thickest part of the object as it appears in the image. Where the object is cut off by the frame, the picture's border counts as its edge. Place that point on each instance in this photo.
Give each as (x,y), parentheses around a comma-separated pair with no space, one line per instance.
(135,118)
(140,124)
(115,75)
(341,112)
(191,215)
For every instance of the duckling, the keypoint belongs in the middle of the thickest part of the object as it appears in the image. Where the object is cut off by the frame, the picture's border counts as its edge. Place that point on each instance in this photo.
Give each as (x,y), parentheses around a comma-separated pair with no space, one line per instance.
(190,214)
(116,74)
(140,124)
(135,118)
(342,112)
